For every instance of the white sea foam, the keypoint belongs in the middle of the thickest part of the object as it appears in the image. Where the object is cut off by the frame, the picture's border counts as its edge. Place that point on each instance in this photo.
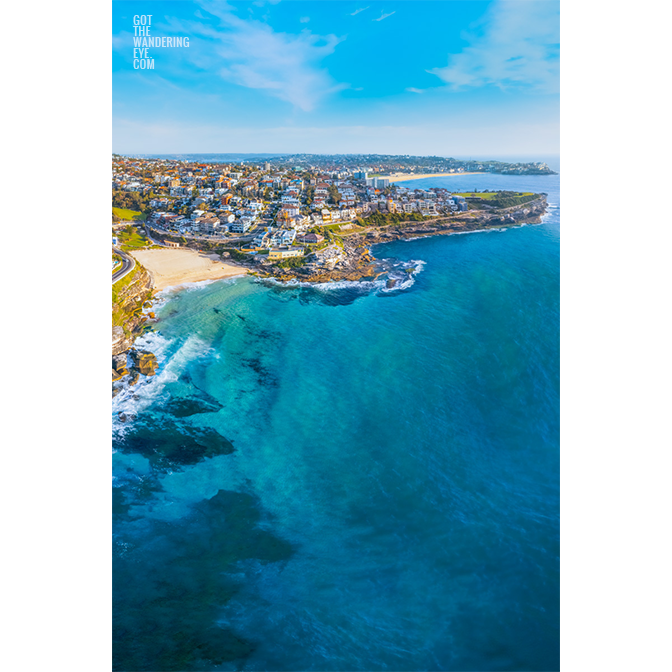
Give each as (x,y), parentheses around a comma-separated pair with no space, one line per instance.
(132,400)
(419,264)
(167,292)
(346,284)
(325,286)
(465,233)
(408,240)
(366,285)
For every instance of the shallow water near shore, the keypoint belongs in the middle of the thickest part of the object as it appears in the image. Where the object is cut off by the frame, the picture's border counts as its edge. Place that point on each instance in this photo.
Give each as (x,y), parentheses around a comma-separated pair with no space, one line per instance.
(346,478)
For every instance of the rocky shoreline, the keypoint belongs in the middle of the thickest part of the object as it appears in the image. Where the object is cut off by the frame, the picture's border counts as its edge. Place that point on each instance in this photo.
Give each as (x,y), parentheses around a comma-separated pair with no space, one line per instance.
(357,262)
(129,321)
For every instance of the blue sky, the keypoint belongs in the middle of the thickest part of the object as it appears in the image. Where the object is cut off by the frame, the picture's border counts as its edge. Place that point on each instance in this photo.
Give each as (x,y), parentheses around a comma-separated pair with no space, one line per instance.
(446,77)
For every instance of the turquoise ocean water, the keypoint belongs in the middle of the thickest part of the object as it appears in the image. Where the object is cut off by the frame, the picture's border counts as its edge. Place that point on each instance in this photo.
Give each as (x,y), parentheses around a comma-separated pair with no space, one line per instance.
(349,478)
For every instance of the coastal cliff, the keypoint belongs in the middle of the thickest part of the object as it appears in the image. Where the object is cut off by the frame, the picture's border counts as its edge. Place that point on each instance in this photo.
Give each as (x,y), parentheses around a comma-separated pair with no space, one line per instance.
(128,297)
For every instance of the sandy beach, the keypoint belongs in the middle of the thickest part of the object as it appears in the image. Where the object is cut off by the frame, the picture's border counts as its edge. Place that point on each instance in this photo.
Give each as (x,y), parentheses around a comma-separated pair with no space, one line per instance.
(170,267)
(401,177)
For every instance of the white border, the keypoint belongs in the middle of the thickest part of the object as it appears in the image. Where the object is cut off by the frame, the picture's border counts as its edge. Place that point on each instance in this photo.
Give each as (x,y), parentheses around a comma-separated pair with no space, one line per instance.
(615,337)
(56,421)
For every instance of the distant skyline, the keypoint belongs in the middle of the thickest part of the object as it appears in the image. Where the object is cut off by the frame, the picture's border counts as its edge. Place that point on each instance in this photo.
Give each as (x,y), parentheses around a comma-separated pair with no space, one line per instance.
(458,78)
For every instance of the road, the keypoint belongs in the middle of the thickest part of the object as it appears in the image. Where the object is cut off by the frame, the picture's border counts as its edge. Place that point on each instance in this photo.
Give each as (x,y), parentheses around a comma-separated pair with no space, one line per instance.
(210,239)
(127,265)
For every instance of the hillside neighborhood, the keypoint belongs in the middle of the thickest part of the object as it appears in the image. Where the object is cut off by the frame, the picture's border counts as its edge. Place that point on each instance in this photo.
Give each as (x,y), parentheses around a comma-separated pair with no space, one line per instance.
(280,212)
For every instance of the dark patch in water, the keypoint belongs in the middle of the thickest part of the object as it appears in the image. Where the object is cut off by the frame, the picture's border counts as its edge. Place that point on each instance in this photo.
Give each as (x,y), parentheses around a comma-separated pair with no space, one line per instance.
(170,585)
(133,490)
(119,504)
(183,408)
(267,335)
(265,377)
(342,296)
(167,444)
(260,333)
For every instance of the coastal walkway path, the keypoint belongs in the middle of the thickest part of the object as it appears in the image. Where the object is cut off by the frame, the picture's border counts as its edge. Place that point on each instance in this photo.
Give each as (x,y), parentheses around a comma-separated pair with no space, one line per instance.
(127,265)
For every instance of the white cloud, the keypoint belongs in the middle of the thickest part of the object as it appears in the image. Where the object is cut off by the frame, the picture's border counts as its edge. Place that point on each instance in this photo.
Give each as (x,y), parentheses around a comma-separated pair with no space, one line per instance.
(357,11)
(519,46)
(304,19)
(414,90)
(384,16)
(250,54)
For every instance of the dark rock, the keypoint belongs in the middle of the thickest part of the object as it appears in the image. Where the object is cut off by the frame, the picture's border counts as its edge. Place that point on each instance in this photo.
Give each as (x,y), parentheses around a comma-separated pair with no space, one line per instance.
(182,408)
(145,362)
(170,444)
(119,361)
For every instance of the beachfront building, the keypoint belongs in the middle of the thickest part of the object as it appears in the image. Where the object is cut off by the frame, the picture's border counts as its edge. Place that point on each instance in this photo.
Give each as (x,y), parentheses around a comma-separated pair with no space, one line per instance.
(311,239)
(210,225)
(240,226)
(285,252)
(262,239)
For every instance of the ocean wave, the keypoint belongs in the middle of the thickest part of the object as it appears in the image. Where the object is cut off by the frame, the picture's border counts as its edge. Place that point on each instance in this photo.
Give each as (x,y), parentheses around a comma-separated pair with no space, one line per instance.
(167,292)
(398,271)
(466,233)
(131,400)
(408,240)
(322,286)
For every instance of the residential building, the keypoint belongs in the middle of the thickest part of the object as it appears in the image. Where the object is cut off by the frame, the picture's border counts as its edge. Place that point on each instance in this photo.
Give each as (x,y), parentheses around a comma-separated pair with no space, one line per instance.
(285,252)
(240,225)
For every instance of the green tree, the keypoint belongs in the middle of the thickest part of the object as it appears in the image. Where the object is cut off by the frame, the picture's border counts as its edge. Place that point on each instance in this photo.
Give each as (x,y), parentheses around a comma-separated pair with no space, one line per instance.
(334,196)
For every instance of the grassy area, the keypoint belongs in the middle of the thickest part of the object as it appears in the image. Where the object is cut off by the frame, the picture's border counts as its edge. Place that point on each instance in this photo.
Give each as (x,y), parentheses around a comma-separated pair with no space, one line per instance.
(291,262)
(490,195)
(131,215)
(118,315)
(353,229)
(472,194)
(497,199)
(379,219)
(237,255)
(131,240)
(124,282)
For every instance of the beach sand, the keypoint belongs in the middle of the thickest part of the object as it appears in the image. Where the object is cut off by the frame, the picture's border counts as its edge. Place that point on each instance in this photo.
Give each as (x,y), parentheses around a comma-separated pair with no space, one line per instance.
(401,177)
(170,267)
